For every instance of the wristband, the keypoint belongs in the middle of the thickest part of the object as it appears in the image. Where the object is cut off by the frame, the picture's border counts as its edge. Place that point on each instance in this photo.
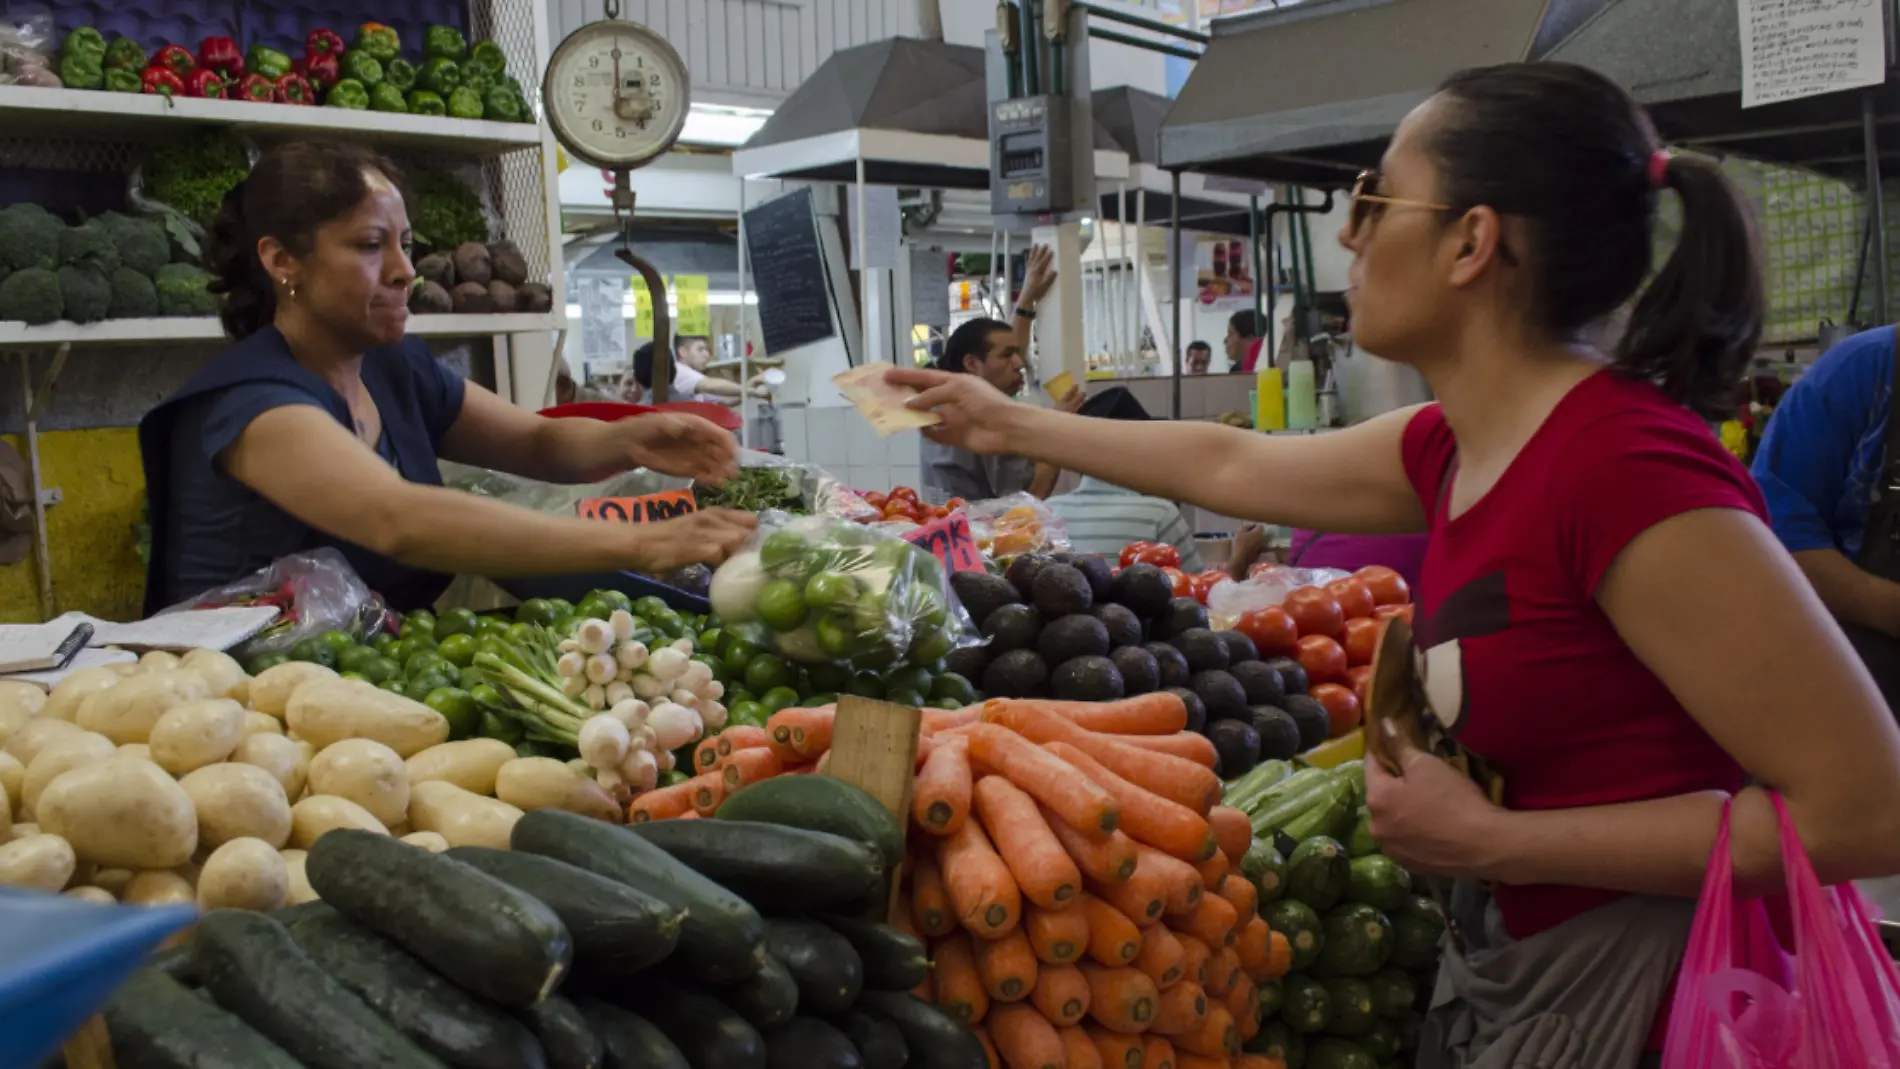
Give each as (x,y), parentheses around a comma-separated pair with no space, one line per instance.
(1026,313)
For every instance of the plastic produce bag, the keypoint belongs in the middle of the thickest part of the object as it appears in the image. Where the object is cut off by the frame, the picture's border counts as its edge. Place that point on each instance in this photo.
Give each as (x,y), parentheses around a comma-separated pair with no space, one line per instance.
(1743,1003)
(1011,526)
(768,481)
(27,46)
(1230,600)
(553,499)
(821,590)
(317,591)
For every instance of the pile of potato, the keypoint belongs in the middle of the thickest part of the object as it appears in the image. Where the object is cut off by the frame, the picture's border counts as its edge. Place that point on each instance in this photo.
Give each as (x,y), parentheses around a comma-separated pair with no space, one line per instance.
(185,781)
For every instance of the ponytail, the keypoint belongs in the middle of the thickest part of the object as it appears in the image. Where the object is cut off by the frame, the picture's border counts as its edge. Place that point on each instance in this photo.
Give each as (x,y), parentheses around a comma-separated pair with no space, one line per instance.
(248,302)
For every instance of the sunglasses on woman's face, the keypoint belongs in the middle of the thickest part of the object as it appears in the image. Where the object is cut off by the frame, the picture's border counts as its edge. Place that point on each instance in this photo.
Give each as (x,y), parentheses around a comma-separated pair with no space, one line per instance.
(1369,205)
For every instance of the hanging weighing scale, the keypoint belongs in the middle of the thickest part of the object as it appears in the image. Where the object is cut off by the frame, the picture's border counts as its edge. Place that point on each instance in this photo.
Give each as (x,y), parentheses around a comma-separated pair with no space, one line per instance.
(617,94)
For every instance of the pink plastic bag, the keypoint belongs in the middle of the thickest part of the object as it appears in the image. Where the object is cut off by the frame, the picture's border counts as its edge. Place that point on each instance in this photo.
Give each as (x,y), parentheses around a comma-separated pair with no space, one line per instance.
(1744,1003)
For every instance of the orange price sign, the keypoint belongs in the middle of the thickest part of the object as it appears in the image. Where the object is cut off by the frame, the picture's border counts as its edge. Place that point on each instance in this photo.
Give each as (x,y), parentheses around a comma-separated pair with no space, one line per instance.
(651,508)
(950,541)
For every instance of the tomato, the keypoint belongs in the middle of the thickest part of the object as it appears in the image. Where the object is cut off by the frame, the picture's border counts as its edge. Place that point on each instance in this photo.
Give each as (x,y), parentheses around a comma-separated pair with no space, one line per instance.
(898,510)
(1361,680)
(1353,597)
(1183,583)
(1387,586)
(1133,550)
(1272,632)
(1323,659)
(1362,640)
(876,500)
(1262,568)
(1342,709)
(954,504)
(1387,612)
(1199,587)
(1315,612)
(1159,554)
(904,493)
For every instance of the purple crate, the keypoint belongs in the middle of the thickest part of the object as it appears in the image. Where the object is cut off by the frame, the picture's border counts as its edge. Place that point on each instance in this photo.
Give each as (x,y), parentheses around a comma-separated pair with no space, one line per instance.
(281,24)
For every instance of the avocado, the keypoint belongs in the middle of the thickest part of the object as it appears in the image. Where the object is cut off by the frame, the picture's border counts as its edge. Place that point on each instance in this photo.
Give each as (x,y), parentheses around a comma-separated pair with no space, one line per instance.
(1097,572)
(1062,556)
(1238,745)
(1240,648)
(1204,650)
(1311,718)
(1143,589)
(1087,679)
(1182,614)
(982,593)
(1279,735)
(1124,627)
(1022,572)
(1261,681)
(1017,674)
(1196,709)
(1221,694)
(968,661)
(1071,637)
(1013,627)
(1140,673)
(1292,676)
(1174,667)
(1059,591)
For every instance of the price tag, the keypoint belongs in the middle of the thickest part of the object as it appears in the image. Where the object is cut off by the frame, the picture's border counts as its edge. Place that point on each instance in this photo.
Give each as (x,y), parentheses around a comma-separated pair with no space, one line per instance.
(649,509)
(951,542)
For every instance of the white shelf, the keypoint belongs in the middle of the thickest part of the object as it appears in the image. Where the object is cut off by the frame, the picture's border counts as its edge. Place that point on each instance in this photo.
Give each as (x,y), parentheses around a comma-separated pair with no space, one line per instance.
(89,113)
(204,329)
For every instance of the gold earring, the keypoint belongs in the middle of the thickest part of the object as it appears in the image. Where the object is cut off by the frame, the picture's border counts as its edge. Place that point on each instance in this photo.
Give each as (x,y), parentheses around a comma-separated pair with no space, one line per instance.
(288,288)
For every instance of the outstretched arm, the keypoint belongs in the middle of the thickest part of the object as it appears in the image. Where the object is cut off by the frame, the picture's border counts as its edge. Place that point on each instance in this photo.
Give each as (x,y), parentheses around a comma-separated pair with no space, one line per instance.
(491,433)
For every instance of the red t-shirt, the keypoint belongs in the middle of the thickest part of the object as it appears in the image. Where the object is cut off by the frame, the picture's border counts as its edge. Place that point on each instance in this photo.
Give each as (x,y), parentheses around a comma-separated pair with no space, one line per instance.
(1521,665)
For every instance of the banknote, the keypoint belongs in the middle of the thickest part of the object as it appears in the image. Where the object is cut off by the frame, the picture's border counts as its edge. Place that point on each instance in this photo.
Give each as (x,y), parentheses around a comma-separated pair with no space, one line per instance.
(881,402)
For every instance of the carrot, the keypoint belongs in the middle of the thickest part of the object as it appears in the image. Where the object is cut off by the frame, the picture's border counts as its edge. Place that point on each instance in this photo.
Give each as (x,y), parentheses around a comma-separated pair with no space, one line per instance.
(1259,1061)
(1233,830)
(1186,1060)
(1223,972)
(1243,896)
(1061,994)
(705,756)
(803,768)
(662,804)
(1175,778)
(1159,1052)
(960,991)
(688,815)
(1244,1003)
(1025,1039)
(1183,882)
(1007,966)
(1213,920)
(1187,745)
(746,767)
(1194,958)
(1181,1008)
(1058,936)
(708,791)
(742,737)
(1041,868)
(1146,817)
(989,1047)
(803,732)
(1159,713)
(1161,956)
(1118,1051)
(1216,1038)
(1280,956)
(1254,944)
(1077,799)
(1110,860)
(1113,938)
(1213,871)
(1120,1000)
(1079,1049)
(940,801)
(937,720)
(983,896)
(929,901)
(1141,899)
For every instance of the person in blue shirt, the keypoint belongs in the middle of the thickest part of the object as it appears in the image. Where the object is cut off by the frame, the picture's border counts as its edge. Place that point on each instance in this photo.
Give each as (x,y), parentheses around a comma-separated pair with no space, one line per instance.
(323,423)
(1821,467)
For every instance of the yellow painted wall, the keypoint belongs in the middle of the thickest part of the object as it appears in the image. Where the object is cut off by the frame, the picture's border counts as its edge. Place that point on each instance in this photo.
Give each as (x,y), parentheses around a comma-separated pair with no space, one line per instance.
(96,567)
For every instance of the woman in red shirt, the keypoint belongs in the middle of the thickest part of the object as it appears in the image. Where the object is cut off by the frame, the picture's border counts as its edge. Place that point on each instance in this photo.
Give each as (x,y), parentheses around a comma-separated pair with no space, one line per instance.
(1604,614)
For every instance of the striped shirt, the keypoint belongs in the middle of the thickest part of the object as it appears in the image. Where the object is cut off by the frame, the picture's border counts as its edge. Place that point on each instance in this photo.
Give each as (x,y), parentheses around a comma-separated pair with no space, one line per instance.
(1102,518)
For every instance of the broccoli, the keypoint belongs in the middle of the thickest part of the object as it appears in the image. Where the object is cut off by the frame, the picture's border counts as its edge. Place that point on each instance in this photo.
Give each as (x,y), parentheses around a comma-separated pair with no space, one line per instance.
(87,293)
(31,296)
(29,237)
(133,295)
(142,243)
(183,290)
(89,244)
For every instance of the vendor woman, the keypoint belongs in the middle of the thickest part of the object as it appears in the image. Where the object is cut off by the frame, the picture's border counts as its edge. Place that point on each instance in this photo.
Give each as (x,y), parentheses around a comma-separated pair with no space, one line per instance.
(323,423)
(1604,613)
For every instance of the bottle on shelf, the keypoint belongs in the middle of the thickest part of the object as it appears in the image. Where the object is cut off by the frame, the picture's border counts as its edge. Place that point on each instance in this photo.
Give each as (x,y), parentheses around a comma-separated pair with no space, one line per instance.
(1302,395)
(1269,410)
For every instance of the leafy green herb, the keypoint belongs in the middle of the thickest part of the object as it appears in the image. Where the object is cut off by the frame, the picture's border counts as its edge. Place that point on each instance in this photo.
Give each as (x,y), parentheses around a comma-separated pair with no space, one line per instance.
(193,173)
(447,212)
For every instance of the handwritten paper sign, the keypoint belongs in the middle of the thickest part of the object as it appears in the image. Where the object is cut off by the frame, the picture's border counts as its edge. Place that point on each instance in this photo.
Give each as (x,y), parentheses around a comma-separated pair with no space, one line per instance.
(1801,48)
(649,509)
(642,308)
(950,541)
(695,305)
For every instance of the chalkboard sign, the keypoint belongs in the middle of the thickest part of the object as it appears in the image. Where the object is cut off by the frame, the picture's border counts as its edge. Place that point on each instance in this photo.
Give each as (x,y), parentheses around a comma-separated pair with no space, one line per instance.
(788,269)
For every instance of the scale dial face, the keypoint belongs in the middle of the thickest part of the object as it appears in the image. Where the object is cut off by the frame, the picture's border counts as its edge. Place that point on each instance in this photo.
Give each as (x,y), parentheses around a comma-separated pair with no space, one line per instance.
(616,94)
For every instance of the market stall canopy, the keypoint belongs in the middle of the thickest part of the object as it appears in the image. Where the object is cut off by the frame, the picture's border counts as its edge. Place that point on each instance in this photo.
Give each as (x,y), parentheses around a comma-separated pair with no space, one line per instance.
(1129,120)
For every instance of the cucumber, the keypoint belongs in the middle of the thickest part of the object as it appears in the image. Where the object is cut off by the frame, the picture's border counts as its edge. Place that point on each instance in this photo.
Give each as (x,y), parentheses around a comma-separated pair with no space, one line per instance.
(1330,815)
(1308,1005)
(1379,882)
(616,929)
(1297,921)
(1264,866)
(893,960)
(791,870)
(879,1042)
(722,939)
(1353,774)
(1276,809)
(565,1033)
(1248,789)
(631,1041)
(829,973)
(809,1043)
(254,969)
(935,1039)
(1351,999)
(1359,841)
(820,803)
(1318,873)
(440,1017)
(175,962)
(158,1023)
(705,1030)
(765,1000)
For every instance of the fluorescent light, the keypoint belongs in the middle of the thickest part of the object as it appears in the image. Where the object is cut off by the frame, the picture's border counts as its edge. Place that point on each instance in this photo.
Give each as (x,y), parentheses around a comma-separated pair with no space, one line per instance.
(721,125)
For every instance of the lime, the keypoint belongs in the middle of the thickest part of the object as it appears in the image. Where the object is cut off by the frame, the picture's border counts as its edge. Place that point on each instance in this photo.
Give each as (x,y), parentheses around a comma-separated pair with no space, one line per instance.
(596,607)
(782,552)
(828,677)
(866,685)
(947,703)
(917,679)
(455,622)
(382,640)
(264,662)
(562,607)
(519,634)
(458,649)
(836,637)
(426,661)
(381,669)
(709,640)
(356,676)
(315,651)
(338,641)
(813,701)
(853,536)
(564,625)
(929,645)
(458,707)
(672,624)
(485,694)
(354,658)
(536,611)
(420,622)
(496,726)
(468,677)
(951,687)
(673,778)
(782,605)
(831,592)
(778,698)
(420,685)
(407,648)
(767,671)
(747,712)
(491,625)
(906,697)
(393,686)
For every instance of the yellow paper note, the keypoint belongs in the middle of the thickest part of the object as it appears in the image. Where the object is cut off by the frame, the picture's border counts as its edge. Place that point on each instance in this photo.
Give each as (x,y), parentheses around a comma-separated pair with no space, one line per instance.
(1060,386)
(881,402)
(695,311)
(642,308)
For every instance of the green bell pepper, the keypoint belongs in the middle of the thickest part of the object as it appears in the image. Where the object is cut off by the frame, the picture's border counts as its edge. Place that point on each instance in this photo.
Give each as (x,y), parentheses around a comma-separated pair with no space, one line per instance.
(119,80)
(424,102)
(478,78)
(444,42)
(84,41)
(400,73)
(83,70)
(465,103)
(441,76)
(386,97)
(488,54)
(378,40)
(348,93)
(363,67)
(500,105)
(126,55)
(268,62)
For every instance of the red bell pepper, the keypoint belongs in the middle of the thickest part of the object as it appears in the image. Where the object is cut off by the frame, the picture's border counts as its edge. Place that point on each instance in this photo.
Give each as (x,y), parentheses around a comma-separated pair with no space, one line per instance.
(294,88)
(322,43)
(257,89)
(205,82)
(175,58)
(221,54)
(163,81)
(324,70)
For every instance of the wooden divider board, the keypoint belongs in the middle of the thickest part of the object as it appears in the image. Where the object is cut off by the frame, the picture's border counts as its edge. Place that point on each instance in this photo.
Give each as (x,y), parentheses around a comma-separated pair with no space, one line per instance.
(874,747)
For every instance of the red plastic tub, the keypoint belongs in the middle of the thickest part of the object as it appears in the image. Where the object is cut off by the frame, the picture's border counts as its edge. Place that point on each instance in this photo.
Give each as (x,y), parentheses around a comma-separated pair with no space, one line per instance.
(612,411)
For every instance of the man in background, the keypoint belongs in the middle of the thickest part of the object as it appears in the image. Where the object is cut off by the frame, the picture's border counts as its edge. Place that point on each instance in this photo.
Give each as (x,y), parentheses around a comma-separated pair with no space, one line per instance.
(1244,329)
(691,356)
(1102,517)
(1200,356)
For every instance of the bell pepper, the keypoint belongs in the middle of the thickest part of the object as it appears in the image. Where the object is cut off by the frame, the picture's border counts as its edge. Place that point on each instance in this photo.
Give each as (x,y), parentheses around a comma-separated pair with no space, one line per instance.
(322,43)
(123,81)
(162,81)
(478,78)
(378,40)
(444,42)
(348,93)
(294,88)
(175,58)
(257,89)
(499,105)
(363,67)
(488,54)
(324,70)
(386,97)
(268,62)
(424,102)
(400,73)
(84,41)
(440,76)
(205,82)
(83,70)
(465,103)
(220,54)
(125,54)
